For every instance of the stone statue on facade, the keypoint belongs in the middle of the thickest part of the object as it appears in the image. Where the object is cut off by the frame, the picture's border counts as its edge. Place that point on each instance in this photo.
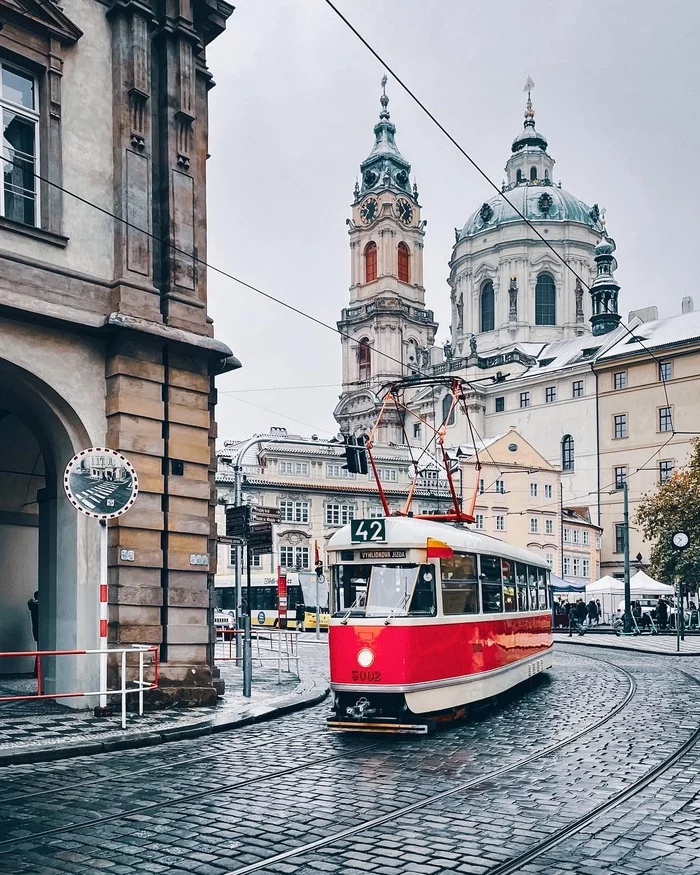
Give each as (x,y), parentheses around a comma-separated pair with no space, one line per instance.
(578,292)
(425,357)
(513,300)
(447,348)
(460,312)
(472,345)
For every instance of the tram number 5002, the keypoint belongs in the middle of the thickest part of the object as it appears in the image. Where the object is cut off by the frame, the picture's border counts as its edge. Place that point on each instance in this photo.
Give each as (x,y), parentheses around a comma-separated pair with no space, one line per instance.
(367,531)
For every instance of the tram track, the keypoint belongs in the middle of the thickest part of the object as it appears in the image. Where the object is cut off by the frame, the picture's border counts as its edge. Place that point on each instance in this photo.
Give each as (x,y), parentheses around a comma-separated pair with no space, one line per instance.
(7,844)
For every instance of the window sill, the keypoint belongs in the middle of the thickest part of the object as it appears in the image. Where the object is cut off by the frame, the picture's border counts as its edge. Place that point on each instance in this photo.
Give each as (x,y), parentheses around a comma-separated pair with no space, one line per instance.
(33,232)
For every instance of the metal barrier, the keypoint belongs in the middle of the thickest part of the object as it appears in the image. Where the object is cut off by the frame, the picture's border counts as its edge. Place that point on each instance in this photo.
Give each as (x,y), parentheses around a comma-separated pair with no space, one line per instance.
(139,684)
(290,653)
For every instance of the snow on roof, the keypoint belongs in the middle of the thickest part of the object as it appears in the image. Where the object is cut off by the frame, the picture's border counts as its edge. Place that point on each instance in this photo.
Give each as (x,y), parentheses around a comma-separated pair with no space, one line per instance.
(566,353)
(662,332)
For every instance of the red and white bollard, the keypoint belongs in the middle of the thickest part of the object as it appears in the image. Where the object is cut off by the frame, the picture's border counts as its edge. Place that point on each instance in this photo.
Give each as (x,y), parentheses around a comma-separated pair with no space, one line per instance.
(104,545)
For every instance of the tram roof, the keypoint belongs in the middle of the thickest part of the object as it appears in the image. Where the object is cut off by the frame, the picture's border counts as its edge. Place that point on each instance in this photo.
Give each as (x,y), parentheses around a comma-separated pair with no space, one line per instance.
(410,533)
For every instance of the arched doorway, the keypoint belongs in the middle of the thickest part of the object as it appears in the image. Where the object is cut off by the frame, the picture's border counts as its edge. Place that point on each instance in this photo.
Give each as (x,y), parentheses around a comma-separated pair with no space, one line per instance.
(44,546)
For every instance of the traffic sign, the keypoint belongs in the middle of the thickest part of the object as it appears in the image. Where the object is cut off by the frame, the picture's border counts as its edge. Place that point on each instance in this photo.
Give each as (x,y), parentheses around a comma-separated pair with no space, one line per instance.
(101,483)
(265,514)
(260,538)
(237,521)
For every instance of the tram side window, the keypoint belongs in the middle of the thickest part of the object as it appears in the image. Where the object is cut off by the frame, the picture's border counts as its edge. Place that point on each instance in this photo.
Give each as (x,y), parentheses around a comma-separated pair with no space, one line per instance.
(508,571)
(521,581)
(491,588)
(423,599)
(460,588)
(532,586)
(542,589)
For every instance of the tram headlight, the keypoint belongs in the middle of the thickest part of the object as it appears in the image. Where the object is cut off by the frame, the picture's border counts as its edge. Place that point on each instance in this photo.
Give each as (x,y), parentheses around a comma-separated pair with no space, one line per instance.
(365,657)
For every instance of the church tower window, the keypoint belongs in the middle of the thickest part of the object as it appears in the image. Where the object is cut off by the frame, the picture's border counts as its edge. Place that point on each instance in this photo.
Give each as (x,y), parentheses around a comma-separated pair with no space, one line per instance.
(364,356)
(488,316)
(404,264)
(370,262)
(446,405)
(533,174)
(545,300)
(567,453)
(519,176)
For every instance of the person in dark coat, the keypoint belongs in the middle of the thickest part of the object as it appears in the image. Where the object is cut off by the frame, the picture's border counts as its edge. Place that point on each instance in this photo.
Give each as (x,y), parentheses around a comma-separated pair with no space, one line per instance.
(592,613)
(576,617)
(33,605)
(662,613)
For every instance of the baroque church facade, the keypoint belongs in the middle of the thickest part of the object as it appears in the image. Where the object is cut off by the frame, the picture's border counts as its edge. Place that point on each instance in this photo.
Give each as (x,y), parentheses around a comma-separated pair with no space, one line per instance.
(534,310)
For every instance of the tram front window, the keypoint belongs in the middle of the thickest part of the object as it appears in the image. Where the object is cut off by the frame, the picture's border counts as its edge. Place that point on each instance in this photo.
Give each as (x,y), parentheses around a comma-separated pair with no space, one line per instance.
(380,590)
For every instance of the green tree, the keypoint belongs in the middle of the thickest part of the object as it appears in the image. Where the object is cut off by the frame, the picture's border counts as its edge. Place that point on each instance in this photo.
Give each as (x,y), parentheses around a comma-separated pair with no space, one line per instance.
(674,506)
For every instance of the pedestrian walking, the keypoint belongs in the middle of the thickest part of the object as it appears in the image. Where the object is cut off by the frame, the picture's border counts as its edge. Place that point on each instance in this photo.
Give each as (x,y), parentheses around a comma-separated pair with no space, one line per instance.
(662,613)
(592,613)
(600,611)
(33,606)
(576,617)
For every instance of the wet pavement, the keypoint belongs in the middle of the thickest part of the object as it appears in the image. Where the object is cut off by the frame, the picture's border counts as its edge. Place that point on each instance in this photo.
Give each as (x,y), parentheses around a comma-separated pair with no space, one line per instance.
(470,799)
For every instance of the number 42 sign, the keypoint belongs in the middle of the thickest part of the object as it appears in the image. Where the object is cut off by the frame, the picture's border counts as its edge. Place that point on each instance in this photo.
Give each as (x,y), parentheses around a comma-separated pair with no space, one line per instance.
(367,531)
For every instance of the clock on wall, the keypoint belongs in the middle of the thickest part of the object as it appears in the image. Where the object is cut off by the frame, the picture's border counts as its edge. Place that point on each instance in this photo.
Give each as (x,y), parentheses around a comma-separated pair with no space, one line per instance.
(369,211)
(404,211)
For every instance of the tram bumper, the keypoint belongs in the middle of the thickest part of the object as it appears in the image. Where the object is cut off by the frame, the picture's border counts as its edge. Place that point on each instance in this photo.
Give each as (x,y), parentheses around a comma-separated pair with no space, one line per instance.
(383,726)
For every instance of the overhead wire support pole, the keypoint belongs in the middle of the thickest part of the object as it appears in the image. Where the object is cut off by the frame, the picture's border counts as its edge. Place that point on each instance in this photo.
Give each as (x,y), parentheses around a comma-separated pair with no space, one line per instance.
(626,526)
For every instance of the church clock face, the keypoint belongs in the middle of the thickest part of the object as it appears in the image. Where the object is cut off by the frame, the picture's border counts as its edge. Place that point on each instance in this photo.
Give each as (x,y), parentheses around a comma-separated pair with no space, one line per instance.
(404,211)
(369,211)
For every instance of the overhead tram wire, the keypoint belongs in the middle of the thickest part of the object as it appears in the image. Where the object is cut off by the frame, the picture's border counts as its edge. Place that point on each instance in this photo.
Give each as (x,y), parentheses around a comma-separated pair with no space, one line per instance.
(479,170)
(281,415)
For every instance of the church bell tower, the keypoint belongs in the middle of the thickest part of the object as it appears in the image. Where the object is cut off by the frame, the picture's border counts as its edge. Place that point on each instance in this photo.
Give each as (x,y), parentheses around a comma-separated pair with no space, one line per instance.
(386,329)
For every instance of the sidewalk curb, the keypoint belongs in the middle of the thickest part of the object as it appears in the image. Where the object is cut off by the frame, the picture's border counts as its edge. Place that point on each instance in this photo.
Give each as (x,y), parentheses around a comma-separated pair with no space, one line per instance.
(219,723)
(628,649)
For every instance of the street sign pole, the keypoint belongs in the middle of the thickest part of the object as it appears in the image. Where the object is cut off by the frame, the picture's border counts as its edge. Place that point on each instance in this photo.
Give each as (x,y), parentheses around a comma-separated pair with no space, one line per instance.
(628,594)
(104,608)
(247,643)
(318,609)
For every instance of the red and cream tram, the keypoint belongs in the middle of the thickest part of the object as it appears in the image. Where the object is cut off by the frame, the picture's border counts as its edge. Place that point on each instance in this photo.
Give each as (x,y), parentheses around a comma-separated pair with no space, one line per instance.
(427,618)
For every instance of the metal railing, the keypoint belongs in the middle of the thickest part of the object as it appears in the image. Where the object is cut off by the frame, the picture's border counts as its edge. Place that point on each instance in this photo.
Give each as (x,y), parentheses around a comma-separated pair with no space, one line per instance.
(139,684)
(286,649)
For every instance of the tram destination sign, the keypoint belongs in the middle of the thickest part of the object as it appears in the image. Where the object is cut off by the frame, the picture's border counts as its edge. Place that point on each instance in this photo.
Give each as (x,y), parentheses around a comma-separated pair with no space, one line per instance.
(367,531)
(101,483)
(382,554)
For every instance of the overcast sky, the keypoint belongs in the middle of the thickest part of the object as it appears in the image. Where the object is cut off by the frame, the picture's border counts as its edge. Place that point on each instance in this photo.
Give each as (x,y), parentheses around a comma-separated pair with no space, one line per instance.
(291,118)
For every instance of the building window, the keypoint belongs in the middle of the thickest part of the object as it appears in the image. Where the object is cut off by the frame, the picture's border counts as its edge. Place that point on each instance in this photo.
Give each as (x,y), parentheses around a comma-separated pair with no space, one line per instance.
(545,300)
(577,567)
(620,380)
(482,488)
(500,523)
(620,476)
(549,527)
(339,514)
(375,512)
(665,471)
(619,537)
(20,124)
(479,520)
(550,559)
(364,356)
(388,475)
(335,469)
(370,262)
(567,535)
(533,490)
(598,542)
(519,176)
(294,511)
(285,467)
(567,566)
(577,389)
(665,420)
(416,430)
(294,557)
(448,412)
(550,394)
(567,453)
(533,174)
(301,468)
(404,268)
(665,371)
(488,309)
(620,421)
(524,399)
(585,568)
(500,486)
(534,525)
(586,538)
(577,536)
(500,404)
(232,555)
(547,491)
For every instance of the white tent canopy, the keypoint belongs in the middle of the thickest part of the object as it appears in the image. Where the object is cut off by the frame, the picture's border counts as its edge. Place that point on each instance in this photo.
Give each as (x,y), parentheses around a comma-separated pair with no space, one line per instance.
(640,584)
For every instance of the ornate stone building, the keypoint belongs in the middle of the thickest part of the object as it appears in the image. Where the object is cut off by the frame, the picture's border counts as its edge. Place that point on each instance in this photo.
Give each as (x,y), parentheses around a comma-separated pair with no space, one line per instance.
(105,338)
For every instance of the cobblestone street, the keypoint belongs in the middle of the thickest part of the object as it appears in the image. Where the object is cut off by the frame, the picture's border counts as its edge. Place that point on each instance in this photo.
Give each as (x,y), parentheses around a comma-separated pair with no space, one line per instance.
(290,797)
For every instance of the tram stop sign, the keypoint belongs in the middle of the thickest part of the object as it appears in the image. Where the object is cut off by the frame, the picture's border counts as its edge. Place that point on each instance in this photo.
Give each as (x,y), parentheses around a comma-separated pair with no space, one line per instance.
(101,483)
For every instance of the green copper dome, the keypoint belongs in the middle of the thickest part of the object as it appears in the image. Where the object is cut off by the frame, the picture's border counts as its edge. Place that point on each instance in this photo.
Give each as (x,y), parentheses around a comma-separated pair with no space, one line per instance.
(539,202)
(385,166)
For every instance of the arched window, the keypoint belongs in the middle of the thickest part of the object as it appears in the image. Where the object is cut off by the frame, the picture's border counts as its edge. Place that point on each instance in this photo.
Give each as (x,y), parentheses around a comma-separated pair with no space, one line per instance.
(545,300)
(364,356)
(404,268)
(567,453)
(533,174)
(446,404)
(487,307)
(370,262)
(519,176)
